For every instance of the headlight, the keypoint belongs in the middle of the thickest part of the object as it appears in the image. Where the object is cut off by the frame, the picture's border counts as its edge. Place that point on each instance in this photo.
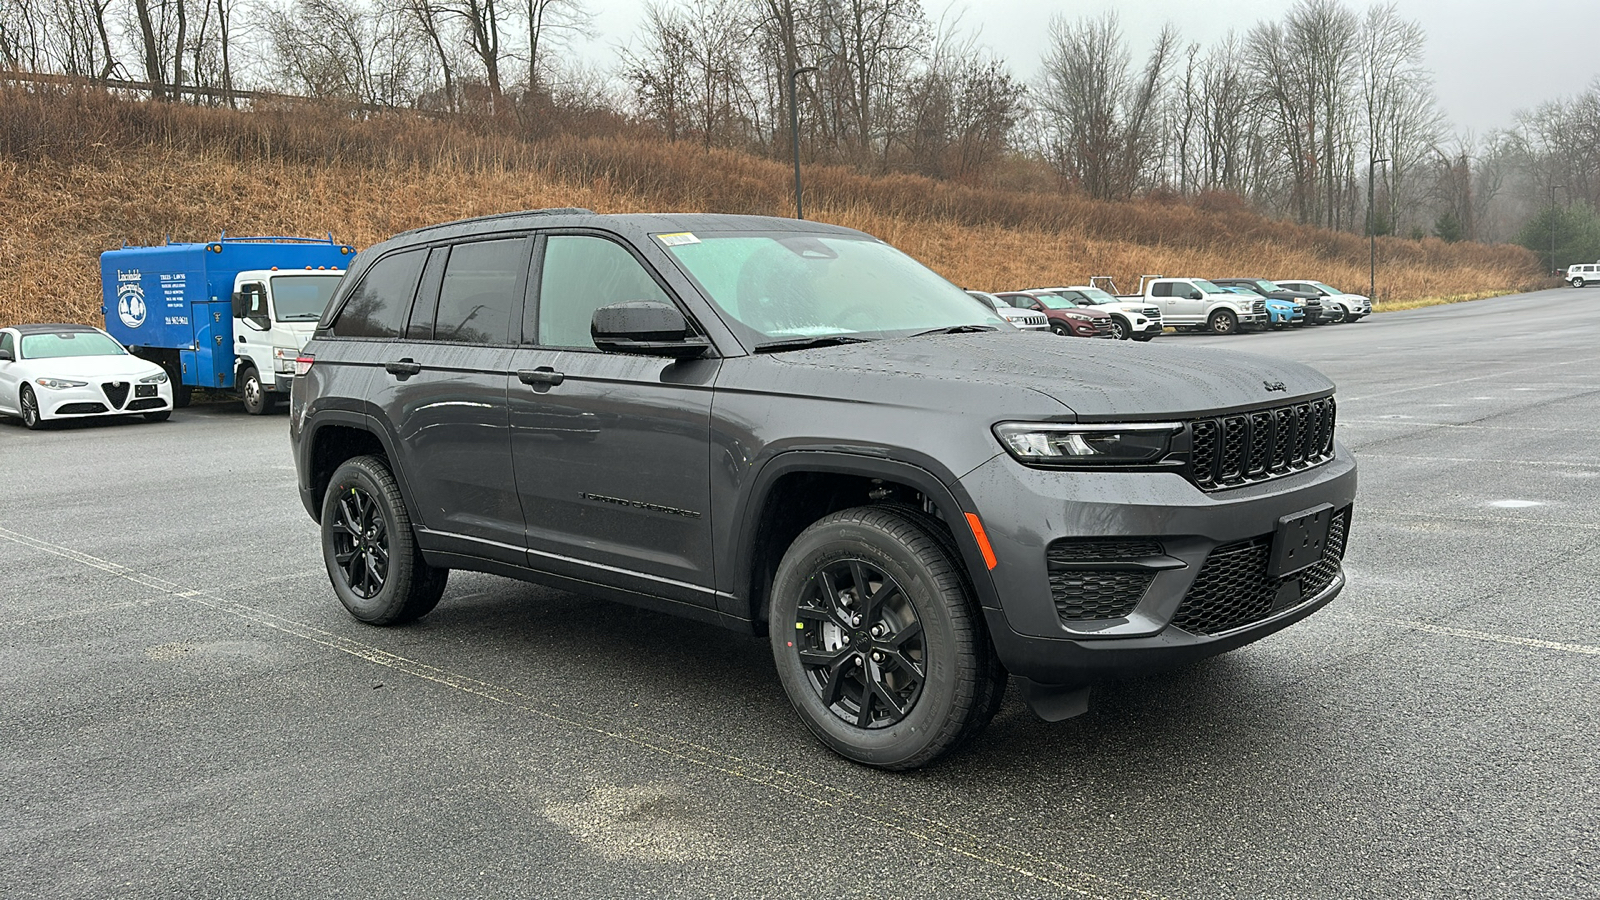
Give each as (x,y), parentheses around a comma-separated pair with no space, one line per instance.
(58,384)
(1079,316)
(157,378)
(1132,444)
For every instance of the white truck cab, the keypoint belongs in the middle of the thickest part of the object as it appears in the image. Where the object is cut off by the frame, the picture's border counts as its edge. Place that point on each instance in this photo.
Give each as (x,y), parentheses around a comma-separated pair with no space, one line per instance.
(274,313)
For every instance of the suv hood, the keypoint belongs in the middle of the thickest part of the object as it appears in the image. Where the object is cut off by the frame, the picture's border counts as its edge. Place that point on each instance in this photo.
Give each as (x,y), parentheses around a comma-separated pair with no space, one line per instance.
(1097,380)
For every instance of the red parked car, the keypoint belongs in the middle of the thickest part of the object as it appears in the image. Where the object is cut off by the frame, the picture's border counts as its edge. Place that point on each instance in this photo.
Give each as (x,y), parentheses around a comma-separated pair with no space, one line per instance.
(1065,314)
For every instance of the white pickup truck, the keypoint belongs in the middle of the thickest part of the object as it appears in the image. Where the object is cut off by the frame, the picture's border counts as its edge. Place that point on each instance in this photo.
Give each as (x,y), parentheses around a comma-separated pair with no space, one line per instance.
(1192,304)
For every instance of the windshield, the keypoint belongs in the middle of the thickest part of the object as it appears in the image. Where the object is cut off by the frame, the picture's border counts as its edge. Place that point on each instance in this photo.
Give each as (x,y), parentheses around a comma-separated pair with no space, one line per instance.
(1266,287)
(69,343)
(1096,296)
(787,285)
(1324,288)
(1206,287)
(1056,301)
(302,298)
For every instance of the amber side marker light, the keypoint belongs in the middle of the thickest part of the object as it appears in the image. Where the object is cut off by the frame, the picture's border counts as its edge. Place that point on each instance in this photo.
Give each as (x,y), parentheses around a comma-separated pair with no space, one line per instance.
(983,540)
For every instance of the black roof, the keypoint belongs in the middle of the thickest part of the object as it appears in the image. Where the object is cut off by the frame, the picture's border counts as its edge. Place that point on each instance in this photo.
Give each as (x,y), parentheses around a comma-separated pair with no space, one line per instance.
(55,328)
(632,225)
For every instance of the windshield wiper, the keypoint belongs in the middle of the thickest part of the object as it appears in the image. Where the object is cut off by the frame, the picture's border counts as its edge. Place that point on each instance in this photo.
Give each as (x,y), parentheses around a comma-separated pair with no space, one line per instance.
(957,329)
(832,340)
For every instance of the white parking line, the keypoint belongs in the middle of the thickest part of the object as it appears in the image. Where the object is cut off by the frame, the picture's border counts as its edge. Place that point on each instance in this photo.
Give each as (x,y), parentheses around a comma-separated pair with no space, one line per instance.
(1511,639)
(944,835)
(1541,367)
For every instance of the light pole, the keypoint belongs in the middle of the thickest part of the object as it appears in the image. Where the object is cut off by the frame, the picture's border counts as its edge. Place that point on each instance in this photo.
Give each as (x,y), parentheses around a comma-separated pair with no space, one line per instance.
(1372,233)
(1553,187)
(794,136)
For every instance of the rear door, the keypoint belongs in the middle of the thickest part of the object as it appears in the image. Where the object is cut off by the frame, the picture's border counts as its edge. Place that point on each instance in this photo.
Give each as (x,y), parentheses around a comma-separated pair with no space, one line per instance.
(611,451)
(443,391)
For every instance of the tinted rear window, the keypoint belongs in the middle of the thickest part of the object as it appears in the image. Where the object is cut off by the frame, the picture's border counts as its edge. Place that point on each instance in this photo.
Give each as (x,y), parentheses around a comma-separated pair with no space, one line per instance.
(379,306)
(479,295)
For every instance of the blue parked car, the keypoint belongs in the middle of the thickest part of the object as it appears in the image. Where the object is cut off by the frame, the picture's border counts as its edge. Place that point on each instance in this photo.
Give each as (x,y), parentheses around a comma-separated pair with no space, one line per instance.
(1280,313)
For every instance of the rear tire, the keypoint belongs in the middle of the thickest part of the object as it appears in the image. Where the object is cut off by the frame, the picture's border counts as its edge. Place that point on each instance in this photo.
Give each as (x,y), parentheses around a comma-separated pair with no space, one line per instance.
(1223,321)
(877,640)
(370,550)
(1578,281)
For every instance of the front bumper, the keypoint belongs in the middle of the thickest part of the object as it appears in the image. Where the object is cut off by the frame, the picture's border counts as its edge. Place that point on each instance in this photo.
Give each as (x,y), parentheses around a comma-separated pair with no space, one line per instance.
(1041,638)
(110,397)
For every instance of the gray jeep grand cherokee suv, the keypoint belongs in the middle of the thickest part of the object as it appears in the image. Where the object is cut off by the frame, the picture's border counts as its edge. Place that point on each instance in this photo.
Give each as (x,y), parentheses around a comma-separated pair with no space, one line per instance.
(791,428)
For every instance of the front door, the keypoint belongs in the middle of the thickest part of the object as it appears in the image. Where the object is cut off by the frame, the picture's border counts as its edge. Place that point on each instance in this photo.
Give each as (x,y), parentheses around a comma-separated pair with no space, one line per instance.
(611,450)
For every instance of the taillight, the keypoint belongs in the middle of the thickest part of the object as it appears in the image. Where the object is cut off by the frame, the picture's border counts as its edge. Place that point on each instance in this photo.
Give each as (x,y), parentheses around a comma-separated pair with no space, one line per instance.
(302,364)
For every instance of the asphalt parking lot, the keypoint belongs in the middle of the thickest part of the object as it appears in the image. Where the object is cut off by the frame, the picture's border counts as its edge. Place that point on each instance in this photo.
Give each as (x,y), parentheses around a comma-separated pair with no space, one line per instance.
(189,713)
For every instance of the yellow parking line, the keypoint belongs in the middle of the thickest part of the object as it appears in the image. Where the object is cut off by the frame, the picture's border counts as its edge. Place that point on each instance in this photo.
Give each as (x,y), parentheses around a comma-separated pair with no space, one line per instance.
(944,835)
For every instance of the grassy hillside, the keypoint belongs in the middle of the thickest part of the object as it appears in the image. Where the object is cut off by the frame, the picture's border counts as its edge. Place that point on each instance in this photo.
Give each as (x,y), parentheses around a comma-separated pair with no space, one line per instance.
(82,173)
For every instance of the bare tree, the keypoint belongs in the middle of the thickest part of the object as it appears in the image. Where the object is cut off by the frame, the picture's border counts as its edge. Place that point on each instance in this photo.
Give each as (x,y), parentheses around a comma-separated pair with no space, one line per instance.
(1099,114)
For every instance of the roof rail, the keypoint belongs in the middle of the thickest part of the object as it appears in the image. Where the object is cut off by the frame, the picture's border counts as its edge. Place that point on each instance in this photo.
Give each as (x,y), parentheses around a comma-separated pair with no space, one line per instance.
(276,239)
(553,211)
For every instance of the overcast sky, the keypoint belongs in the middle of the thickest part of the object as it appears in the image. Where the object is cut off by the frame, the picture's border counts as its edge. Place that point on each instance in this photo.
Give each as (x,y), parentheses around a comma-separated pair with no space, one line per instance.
(1491,57)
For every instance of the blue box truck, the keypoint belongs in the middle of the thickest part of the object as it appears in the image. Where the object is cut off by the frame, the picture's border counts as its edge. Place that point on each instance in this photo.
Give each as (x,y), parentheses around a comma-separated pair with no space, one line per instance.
(228,314)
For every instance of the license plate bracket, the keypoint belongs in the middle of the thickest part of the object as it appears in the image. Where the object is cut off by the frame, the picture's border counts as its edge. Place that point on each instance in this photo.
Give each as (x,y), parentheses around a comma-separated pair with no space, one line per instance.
(1298,542)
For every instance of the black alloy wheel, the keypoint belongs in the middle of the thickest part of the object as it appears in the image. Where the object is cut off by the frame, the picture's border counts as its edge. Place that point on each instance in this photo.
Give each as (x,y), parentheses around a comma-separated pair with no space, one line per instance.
(30,408)
(360,543)
(861,643)
(877,638)
(369,549)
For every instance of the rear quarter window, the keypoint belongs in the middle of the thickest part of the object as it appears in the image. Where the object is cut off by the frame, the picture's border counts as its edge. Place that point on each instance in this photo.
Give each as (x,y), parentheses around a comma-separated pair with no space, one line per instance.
(378,307)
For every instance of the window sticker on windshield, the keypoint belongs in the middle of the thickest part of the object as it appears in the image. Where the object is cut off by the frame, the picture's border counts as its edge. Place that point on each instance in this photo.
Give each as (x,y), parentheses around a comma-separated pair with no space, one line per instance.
(677,240)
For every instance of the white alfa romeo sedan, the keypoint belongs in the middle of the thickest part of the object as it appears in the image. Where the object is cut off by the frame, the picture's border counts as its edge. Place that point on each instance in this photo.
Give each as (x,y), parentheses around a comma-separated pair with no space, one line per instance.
(52,372)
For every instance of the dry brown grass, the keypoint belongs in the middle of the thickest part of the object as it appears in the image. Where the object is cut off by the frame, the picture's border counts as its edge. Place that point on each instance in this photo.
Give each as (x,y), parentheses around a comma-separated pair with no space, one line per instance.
(81,173)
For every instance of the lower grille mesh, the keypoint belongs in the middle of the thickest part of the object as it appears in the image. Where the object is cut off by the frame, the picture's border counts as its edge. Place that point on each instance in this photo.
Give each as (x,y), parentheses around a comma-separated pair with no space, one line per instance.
(1234,590)
(1083,591)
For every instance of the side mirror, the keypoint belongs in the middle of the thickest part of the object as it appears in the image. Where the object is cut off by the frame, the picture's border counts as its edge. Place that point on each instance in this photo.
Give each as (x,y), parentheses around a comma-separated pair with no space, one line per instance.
(1195,295)
(645,328)
(5,356)
(240,307)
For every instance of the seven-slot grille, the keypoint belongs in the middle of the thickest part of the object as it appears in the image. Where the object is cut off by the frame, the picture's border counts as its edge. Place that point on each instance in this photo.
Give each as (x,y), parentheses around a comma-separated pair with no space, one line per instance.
(1248,447)
(1233,588)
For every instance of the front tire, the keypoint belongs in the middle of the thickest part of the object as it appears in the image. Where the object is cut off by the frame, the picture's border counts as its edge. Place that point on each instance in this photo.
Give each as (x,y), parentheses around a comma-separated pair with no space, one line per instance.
(1339,315)
(1120,329)
(257,402)
(370,550)
(1058,328)
(877,641)
(1223,321)
(31,416)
